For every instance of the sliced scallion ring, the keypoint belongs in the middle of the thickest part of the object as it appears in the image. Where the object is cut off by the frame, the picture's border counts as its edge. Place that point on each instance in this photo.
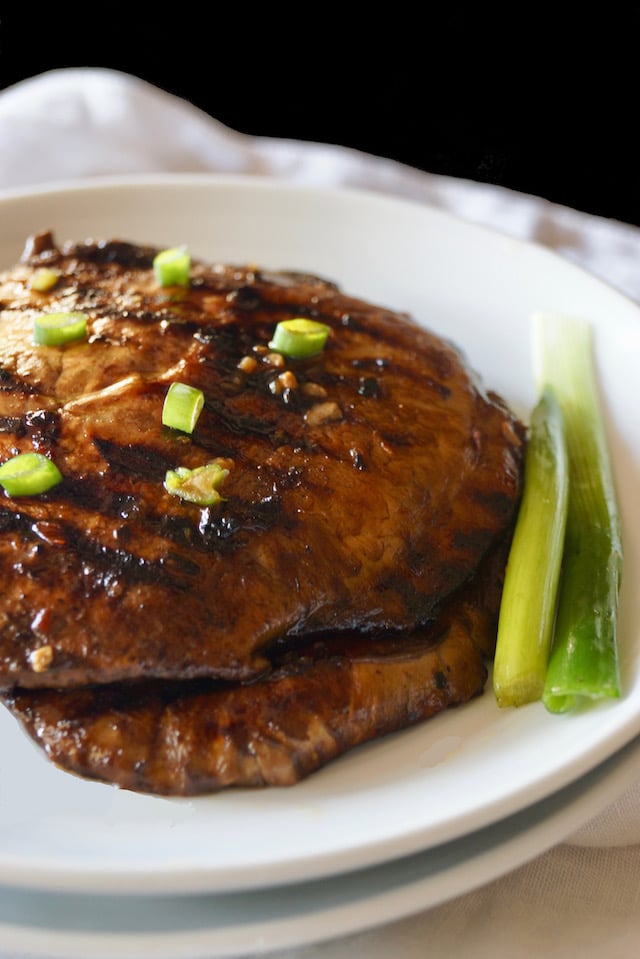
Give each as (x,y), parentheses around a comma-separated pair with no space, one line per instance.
(200,485)
(29,474)
(299,338)
(172,266)
(44,279)
(183,405)
(58,329)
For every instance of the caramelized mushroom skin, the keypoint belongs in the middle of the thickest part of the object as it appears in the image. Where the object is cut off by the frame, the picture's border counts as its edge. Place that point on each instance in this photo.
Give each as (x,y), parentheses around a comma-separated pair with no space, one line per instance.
(363,489)
(195,737)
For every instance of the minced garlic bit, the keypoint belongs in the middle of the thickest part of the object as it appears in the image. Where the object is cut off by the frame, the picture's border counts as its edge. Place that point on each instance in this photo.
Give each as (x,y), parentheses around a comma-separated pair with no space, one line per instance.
(314,389)
(248,364)
(41,658)
(323,413)
(284,381)
(274,359)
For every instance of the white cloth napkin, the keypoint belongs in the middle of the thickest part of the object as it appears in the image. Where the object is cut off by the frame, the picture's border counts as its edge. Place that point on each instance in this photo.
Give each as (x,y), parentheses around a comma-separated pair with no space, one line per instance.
(582,897)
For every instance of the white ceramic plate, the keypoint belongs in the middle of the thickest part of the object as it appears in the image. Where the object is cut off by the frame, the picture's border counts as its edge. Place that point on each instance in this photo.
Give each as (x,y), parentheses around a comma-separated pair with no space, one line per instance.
(46,925)
(414,790)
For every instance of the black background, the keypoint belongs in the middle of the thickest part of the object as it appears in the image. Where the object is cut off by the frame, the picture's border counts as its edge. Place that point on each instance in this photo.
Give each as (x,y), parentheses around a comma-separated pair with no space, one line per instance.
(547,104)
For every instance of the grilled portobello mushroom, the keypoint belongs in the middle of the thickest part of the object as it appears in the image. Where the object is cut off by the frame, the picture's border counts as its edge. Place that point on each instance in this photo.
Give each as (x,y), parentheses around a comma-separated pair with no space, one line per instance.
(366,488)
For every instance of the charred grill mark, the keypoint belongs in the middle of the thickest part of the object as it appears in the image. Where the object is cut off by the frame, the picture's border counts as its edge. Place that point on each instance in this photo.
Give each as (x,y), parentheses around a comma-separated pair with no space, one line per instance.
(204,530)
(225,345)
(15,522)
(222,284)
(15,425)
(261,515)
(237,422)
(106,568)
(91,495)
(245,298)
(143,316)
(43,425)
(248,331)
(180,565)
(129,256)
(371,385)
(100,566)
(144,462)
(217,529)
(372,365)
(10,383)
(361,324)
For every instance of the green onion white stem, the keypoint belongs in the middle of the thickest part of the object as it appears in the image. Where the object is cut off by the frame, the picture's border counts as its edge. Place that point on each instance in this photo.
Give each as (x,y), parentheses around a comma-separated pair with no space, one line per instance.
(525,626)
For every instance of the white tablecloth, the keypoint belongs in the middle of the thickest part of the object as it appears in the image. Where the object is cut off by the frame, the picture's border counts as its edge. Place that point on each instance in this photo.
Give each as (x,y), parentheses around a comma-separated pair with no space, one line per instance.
(582,898)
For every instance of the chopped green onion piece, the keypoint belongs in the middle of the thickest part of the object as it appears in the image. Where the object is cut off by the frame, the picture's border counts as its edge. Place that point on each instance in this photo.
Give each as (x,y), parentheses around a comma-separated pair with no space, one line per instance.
(44,279)
(58,329)
(29,474)
(172,267)
(527,609)
(182,406)
(584,662)
(299,338)
(198,485)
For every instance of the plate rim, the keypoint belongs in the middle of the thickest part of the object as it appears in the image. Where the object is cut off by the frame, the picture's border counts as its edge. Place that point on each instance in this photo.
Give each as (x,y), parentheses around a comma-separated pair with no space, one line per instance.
(244,182)
(494,856)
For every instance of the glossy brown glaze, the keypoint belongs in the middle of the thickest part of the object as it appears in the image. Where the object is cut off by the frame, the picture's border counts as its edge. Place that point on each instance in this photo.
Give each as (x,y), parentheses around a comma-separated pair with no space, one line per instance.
(317,703)
(365,485)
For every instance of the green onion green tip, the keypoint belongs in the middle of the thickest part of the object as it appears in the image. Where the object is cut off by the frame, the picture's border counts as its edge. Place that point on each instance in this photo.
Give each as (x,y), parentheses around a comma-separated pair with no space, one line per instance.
(299,338)
(29,474)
